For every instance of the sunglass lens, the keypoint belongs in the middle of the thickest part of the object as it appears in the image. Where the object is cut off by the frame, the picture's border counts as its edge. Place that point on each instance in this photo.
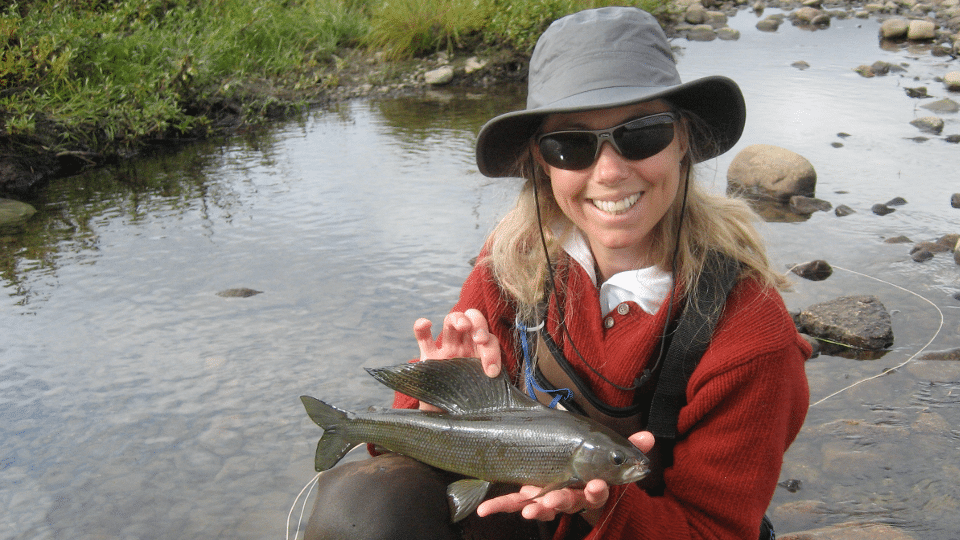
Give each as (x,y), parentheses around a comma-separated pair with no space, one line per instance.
(643,142)
(570,151)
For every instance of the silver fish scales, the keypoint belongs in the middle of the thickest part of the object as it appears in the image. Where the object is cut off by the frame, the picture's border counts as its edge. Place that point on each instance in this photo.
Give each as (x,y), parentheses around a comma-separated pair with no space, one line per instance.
(489,431)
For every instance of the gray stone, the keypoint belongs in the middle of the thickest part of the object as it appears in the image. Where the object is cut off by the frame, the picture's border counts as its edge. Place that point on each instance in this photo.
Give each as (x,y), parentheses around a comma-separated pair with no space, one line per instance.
(897,201)
(922,31)
(473,64)
(716,19)
(14,212)
(894,28)
(801,204)
(945,105)
(882,209)
(769,24)
(696,14)
(898,240)
(955,200)
(806,15)
(857,321)
(952,80)
(241,292)
(850,531)
(843,211)
(438,77)
(928,124)
(701,32)
(728,34)
(771,172)
(917,92)
(817,270)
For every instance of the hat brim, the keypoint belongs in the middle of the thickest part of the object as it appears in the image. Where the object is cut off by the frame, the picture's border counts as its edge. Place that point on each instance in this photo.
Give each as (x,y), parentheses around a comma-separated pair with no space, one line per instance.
(717,100)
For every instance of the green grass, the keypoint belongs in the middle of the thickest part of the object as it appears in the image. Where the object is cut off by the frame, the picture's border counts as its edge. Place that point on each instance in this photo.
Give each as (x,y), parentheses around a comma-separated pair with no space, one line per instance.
(106,75)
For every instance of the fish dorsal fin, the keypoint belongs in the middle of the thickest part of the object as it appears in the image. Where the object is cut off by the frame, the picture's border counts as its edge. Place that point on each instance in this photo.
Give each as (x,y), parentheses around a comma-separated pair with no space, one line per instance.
(458,386)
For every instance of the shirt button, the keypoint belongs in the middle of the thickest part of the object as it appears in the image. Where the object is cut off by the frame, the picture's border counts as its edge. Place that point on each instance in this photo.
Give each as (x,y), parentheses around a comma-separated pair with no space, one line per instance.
(608,322)
(623,309)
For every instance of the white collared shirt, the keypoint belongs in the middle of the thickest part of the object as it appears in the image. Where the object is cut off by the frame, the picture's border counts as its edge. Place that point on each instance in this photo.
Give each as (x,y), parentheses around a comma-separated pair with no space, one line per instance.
(648,287)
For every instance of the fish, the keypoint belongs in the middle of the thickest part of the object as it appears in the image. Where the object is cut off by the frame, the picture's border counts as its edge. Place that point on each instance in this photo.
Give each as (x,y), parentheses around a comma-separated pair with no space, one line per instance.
(488,431)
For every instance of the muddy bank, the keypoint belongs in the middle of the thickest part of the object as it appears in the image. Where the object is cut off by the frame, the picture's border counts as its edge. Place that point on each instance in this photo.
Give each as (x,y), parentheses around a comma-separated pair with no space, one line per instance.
(26,163)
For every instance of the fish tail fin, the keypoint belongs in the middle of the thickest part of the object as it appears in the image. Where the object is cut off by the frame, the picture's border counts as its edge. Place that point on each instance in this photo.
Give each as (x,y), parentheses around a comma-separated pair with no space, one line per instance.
(333,445)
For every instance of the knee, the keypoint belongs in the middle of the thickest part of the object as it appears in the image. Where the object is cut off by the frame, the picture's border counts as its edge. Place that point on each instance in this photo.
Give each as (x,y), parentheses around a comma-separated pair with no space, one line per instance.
(385,497)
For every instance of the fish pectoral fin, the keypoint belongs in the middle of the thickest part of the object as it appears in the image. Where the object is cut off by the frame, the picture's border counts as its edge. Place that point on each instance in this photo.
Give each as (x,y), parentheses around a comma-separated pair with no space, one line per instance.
(553,487)
(465,496)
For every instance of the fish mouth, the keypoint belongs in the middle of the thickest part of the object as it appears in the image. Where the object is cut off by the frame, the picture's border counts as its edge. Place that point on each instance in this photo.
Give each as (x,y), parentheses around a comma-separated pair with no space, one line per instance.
(619,206)
(639,470)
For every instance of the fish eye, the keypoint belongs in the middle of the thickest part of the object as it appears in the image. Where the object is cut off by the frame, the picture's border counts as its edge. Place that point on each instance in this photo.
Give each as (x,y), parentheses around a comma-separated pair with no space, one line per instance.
(617,457)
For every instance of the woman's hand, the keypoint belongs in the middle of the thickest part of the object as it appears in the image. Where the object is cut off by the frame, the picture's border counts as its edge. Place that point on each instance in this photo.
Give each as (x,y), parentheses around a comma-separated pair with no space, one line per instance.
(464,335)
(589,500)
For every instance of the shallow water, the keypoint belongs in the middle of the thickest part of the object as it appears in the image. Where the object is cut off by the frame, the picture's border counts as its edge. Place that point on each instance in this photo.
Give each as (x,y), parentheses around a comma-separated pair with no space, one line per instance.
(137,403)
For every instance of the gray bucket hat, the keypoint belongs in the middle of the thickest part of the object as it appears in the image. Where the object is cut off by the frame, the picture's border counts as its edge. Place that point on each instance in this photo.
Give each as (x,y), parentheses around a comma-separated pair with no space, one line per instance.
(605,58)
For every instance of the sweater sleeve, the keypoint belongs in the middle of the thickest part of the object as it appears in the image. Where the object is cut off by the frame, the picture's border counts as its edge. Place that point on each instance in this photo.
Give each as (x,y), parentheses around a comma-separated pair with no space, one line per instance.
(746,402)
(481,292)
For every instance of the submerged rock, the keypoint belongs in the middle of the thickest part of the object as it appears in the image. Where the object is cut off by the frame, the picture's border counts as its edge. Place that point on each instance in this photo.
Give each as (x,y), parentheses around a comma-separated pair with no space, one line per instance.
(241,292)
(808,205)
(928,124)
(817,270)
(945,105)
(14,213)
(856,321)
(882,209)
(843,210)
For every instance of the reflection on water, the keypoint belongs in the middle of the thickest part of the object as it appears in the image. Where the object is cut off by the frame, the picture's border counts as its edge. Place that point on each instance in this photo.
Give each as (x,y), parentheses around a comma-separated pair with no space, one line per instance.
(135,402)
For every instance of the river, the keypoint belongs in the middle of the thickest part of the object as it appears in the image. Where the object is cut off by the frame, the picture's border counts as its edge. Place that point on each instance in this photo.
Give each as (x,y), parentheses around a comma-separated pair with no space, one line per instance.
(137,403)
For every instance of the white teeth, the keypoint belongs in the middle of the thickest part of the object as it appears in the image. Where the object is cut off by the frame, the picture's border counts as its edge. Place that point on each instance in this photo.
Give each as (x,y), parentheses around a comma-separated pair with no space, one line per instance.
(617,207)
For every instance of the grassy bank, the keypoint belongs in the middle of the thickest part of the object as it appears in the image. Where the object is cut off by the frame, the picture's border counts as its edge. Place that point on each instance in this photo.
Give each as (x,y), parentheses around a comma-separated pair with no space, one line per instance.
(87,81)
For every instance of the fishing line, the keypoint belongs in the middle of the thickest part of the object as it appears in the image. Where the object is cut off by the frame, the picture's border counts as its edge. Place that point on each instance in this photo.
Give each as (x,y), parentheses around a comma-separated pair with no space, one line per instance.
(902,364)
(303,509)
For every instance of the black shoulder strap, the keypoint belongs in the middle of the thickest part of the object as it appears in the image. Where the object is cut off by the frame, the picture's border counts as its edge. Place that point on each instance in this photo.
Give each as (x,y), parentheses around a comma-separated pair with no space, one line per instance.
(690,340)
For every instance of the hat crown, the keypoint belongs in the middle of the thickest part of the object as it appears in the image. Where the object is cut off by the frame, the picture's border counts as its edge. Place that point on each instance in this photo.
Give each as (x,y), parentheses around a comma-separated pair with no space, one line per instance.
(597,49)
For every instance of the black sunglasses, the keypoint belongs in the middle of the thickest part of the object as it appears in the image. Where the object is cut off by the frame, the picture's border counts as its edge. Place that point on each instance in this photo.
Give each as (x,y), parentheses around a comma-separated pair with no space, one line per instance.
(640,138)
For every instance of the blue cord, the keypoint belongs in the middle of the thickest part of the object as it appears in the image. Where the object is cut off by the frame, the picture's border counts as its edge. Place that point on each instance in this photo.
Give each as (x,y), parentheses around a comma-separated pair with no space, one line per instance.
(558,394)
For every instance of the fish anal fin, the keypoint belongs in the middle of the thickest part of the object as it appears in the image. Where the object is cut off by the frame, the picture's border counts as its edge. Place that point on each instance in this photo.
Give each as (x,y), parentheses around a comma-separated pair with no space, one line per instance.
(465,496)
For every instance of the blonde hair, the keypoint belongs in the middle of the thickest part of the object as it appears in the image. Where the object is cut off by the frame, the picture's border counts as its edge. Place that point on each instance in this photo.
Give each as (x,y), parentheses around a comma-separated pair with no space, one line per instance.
(710,222)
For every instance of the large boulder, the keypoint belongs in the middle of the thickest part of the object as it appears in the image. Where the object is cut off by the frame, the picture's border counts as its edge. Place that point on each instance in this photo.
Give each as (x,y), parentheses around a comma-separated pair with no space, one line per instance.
(894,28)
(771,172)
(861,322)
(14,213)
(921,30)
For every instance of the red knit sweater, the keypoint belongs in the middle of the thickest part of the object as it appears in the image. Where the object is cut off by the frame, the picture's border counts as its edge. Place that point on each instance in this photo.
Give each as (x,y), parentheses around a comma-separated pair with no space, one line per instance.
(746,401)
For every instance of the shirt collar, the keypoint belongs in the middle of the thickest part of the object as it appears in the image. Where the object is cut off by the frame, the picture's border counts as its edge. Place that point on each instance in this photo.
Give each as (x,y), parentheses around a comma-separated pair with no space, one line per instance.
(647,287)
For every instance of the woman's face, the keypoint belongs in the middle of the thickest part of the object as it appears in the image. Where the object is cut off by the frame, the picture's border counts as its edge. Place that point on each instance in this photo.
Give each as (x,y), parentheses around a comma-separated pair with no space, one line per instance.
(617,202)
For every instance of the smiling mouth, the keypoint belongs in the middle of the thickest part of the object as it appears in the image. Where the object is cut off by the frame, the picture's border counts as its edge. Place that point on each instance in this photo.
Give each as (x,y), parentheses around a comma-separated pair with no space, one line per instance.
(616,207)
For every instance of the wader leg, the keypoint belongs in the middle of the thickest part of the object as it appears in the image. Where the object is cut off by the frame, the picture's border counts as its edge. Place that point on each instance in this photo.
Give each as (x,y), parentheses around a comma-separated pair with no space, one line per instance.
(391,497)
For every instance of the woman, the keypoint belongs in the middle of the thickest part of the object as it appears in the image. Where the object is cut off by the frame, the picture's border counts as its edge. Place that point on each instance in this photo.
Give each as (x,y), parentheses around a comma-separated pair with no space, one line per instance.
(606,245)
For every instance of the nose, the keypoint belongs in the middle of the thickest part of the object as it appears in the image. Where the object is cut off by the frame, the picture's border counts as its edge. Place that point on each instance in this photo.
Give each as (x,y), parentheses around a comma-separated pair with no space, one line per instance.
(610,167)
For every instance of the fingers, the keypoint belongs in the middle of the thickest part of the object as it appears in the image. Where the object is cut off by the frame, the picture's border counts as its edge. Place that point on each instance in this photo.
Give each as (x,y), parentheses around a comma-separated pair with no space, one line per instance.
(643,441)
(422,331)
(487,345)
(570,501)
(462,335)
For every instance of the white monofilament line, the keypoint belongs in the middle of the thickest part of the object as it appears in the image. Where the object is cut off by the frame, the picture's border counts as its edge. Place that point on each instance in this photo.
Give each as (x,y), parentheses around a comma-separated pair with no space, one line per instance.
(905,362)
